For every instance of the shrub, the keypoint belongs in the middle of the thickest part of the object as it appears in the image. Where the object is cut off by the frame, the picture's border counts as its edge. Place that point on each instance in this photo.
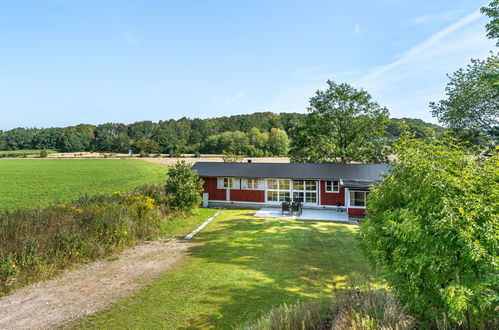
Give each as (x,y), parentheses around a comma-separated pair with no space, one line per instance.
(432,229)
(38,242)
(43,153)
(143,154)
(197,154)
(183,187)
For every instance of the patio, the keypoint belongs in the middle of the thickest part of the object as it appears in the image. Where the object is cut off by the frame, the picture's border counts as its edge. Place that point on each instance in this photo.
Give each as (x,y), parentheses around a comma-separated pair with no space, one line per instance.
(307,214)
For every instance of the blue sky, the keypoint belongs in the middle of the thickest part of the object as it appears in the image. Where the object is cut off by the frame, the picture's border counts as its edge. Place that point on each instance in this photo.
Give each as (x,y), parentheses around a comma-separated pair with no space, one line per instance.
(64,62)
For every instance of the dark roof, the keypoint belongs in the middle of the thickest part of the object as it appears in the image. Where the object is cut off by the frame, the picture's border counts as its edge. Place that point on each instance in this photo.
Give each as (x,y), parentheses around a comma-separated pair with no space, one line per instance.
(356,172)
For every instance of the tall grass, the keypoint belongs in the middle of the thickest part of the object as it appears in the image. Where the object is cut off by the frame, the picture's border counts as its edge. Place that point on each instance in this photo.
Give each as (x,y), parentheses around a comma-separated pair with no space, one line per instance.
(23,153)
(36,243)
(359,307)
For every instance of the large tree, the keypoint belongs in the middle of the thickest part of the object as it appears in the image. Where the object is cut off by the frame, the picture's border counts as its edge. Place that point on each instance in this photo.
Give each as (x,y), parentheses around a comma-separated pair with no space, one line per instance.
(432,230)
(343,125)
(472,103)
(492,10)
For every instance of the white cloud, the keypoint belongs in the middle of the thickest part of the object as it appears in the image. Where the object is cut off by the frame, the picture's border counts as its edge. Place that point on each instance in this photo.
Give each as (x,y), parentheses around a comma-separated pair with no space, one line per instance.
(129,39)
(441,17)
(418,76)
(417,50)
(234,99)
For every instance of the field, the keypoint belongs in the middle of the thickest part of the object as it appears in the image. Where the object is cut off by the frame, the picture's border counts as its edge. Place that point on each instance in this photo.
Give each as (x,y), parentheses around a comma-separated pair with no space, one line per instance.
(26,183)
(23,153)
(237,269)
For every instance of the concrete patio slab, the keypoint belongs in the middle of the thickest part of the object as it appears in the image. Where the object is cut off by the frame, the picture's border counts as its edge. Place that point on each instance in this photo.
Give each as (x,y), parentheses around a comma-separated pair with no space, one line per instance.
(307,214)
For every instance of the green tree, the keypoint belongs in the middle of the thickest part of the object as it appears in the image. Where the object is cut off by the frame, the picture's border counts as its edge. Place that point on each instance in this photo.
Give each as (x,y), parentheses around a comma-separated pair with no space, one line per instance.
(492,10)
(472,105)
(183,187)
(432,230)
(278,142)
(148,146)
(71,140)
(343,125)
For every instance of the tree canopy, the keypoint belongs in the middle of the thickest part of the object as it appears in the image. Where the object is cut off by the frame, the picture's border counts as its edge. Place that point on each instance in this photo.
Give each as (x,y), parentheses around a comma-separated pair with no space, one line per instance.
(472,103)
(492,10)
(343,125)
(432,230)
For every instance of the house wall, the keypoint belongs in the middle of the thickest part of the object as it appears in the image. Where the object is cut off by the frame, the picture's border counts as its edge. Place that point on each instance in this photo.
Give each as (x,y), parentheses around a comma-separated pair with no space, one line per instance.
(357,212)
(247,195)
(236,195)
(210,187)
(331,198)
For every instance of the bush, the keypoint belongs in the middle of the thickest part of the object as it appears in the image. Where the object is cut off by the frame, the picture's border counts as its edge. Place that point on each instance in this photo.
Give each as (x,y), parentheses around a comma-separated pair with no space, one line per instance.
(143,154)
(39,242)
(43,153)
(432,229)
(354,308)
(183,187)
(197,154)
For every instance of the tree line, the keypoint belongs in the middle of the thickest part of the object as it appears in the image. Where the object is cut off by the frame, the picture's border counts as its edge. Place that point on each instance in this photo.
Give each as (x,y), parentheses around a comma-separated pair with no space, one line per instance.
(258,134)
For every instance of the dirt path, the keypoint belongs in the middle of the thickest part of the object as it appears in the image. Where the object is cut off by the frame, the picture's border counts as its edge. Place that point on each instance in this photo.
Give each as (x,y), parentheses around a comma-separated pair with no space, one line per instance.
(88,289)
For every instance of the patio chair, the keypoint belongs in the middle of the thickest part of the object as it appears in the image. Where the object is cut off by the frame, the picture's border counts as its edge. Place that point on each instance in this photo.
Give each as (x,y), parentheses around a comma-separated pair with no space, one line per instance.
(296,208)
(339,207)
(286,208)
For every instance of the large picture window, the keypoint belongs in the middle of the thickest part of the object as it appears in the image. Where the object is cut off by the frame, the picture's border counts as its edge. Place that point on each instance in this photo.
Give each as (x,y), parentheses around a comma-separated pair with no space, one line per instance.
(358,198)
(278,190)
(305,190)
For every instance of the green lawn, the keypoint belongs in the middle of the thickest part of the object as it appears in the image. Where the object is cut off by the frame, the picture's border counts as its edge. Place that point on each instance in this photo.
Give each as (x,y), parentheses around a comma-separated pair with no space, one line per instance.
(38,182)
(238,268)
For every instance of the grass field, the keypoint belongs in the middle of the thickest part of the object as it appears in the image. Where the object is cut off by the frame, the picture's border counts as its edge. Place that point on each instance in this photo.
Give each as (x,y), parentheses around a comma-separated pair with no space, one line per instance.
(238,268)
(21,153)
(28,183)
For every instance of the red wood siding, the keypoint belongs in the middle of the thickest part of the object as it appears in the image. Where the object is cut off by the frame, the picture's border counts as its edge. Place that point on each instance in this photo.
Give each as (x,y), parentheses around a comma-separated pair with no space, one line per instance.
(357,212)
(242,195)
(210,187)
(331,198)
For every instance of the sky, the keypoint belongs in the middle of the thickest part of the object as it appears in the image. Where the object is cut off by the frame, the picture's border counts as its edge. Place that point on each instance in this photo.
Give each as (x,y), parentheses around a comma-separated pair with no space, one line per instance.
(65,62)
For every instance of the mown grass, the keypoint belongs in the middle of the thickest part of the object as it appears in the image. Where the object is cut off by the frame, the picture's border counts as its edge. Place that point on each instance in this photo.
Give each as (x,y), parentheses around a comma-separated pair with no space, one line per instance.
(26,183)
(238,269)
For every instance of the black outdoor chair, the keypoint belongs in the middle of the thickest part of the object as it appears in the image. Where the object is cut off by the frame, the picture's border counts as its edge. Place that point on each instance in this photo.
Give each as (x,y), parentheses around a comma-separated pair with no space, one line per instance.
(296,208)
(286,208)
(339,207)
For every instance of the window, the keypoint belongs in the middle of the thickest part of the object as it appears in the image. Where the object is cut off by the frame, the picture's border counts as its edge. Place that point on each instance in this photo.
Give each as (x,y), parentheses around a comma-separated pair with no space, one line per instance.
(358,198)
(229,182)
(272,184)
(251,184)
(284,184)
(272,196)
(306,190)
(310,197)
(278,190)
(332,186)
(298,185)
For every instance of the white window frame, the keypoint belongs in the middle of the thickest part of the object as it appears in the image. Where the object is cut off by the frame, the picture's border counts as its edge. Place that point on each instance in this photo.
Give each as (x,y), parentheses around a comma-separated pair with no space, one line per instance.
(350,200)
(229,183)
(278,190)
(251,184)
(306,192)
(332,186)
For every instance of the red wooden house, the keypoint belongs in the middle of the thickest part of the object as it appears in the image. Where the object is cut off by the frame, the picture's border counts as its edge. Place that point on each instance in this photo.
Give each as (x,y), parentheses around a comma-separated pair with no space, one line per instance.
(270,184)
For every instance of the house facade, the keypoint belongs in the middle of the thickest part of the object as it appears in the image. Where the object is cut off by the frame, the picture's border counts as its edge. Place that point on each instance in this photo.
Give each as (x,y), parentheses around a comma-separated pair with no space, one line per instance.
(269,184)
